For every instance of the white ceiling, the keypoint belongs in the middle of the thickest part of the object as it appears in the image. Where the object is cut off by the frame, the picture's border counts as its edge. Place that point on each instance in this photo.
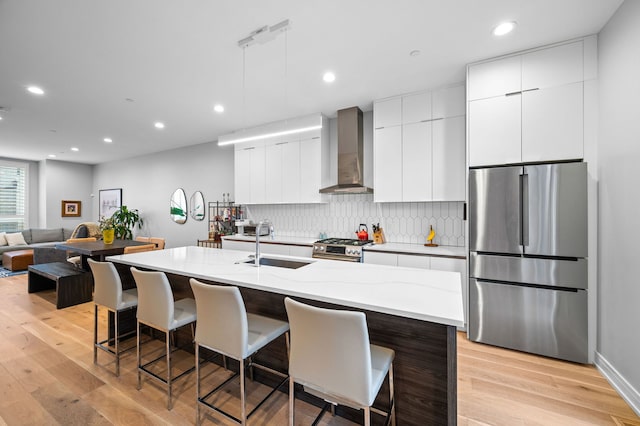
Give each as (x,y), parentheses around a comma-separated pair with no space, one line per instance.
(176,59)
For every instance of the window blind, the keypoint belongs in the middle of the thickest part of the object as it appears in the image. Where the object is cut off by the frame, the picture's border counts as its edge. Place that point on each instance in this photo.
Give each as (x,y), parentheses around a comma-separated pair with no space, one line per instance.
(13,197)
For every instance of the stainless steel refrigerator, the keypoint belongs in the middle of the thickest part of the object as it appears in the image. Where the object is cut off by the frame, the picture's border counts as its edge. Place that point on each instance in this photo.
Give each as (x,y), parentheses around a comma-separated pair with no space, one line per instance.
(528,258)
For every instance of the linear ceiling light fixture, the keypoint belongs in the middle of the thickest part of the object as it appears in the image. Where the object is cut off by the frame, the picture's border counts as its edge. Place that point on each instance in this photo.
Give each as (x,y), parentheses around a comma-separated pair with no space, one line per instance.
(264,34)
(270,135)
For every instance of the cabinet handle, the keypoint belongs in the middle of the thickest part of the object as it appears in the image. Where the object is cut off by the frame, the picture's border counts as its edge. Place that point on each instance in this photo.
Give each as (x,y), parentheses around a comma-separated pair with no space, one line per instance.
(438,119)
(316,137)
(247,149)
(531,90)
(378,128)
(282,143)
(513,93)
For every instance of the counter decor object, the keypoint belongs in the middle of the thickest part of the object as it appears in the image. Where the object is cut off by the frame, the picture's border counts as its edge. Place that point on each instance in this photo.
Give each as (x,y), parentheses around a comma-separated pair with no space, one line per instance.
(430,237)
(108,229)
(378,234)
(363,232)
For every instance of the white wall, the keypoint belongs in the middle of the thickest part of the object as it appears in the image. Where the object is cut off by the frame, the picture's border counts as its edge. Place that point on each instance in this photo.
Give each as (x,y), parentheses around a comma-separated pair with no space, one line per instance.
(61,180)
(147,184)
(618,344)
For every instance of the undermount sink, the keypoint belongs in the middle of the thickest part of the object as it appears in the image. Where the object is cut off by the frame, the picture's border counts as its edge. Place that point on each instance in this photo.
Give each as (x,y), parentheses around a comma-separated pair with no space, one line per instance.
(280,263)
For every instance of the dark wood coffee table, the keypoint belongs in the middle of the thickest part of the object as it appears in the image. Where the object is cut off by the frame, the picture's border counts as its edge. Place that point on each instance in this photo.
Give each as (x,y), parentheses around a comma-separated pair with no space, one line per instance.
(73,286)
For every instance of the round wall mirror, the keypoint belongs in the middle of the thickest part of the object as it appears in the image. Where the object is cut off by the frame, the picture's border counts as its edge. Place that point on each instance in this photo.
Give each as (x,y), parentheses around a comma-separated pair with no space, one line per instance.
(197,206)
(178,206)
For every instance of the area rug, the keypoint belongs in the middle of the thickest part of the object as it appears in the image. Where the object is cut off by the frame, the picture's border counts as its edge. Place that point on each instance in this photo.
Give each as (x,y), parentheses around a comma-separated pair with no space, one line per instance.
(8,273)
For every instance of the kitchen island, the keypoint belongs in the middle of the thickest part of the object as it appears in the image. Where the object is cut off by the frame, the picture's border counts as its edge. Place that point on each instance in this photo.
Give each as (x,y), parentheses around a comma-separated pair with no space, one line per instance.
(413,311)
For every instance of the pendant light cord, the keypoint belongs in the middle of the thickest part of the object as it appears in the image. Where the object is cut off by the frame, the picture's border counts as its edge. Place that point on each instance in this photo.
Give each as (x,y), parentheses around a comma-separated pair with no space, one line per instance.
(244,67)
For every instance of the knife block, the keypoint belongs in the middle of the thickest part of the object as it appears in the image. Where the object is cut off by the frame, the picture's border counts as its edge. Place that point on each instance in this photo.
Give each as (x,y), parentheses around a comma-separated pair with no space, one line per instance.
(378,237)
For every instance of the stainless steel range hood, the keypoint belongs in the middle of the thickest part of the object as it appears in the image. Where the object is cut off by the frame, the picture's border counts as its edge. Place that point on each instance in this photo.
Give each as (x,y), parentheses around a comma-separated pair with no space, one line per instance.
(350,154)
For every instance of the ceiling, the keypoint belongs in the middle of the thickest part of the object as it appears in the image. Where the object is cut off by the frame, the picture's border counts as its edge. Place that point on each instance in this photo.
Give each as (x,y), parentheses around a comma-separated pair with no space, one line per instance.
(113,68)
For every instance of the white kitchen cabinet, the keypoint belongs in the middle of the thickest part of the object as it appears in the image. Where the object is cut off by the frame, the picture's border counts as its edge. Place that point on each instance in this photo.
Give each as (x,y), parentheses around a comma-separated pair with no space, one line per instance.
(527,108)
(416,107)
(376,258)
(416,167)
(282,172)
(495,78)
(242,176)
(387,113)
(406,167)
(387,164)
(309,170)
(410,261)
(555,66)
(448,159)
(552,123)
(300,251)
(495,131)
(268,248)
(249,163)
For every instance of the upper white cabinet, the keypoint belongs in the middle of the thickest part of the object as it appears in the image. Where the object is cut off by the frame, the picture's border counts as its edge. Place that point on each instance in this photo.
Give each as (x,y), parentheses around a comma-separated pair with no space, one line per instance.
(527,108)
(281,169)
(419,146)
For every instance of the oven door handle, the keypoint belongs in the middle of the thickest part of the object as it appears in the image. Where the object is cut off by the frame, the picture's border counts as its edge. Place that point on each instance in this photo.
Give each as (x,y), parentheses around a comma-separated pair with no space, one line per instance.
(341,258)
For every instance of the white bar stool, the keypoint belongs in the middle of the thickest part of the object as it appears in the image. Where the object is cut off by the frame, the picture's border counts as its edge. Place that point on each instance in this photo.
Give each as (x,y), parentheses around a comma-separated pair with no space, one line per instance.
(225,327)
(157,309)
(332,358)
(109,294)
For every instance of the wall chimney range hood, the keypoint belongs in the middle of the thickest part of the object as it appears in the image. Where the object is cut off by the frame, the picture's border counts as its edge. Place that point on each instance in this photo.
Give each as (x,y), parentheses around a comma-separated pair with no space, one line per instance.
(350,154)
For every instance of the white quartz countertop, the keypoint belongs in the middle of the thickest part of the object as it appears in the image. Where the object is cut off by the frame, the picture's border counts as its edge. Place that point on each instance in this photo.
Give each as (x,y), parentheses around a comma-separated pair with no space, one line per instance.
(421,294)
(402,248)
(305,241)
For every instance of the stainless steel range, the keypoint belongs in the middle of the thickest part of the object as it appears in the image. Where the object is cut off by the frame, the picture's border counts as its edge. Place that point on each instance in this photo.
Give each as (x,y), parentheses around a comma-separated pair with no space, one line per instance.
(345,249)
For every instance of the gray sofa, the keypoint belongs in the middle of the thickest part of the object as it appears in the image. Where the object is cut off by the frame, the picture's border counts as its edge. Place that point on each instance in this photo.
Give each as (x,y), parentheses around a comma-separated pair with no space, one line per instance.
(40,238)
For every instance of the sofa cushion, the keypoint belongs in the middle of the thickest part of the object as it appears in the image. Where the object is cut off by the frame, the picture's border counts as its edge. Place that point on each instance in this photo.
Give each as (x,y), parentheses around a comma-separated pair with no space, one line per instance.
(3,239)
(66,233)
(15,239)
(26,233)
(46,235)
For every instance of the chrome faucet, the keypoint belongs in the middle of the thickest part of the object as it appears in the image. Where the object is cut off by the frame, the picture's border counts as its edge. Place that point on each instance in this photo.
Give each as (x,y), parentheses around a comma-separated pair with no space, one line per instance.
(264,222)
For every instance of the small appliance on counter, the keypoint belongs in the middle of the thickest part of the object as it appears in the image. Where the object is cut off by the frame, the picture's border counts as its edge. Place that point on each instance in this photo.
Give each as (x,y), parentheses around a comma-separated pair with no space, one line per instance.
(344,249)
(363,232)
(250,230)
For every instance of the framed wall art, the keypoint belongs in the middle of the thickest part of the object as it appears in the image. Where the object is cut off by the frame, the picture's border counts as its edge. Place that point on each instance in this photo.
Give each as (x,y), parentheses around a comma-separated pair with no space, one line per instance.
(71,208)
(109,201)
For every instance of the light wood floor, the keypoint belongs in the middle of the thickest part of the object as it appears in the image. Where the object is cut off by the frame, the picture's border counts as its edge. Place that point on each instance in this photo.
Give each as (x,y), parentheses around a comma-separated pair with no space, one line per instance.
(47,376)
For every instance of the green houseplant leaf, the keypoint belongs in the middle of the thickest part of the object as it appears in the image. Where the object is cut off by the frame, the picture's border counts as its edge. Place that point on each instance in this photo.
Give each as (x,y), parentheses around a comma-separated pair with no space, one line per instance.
(124,219)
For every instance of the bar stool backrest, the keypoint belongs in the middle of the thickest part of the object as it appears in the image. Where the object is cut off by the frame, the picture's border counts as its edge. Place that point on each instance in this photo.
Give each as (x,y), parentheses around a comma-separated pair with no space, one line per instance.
(222,319)
(155,299)
(108,287)
(330,352)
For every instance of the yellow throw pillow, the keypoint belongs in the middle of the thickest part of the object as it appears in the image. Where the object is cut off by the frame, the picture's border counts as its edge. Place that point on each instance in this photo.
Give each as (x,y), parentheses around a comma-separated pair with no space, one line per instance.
(16,239)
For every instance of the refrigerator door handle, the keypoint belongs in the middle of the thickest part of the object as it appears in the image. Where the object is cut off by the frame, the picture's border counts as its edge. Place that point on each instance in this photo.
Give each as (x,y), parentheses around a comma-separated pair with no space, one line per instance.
(524,206)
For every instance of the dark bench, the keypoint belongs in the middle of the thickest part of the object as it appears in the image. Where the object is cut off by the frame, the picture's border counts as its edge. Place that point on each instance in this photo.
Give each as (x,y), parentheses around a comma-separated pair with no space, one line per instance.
(73,286)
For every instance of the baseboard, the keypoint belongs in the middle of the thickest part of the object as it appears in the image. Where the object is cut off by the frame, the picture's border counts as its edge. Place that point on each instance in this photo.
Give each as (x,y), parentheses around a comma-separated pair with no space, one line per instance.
(619,383)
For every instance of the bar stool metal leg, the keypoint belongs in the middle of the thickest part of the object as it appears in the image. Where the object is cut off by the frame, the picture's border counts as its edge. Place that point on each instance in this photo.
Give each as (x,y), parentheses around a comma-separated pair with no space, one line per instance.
(139,355)
(95,333)
(168,334)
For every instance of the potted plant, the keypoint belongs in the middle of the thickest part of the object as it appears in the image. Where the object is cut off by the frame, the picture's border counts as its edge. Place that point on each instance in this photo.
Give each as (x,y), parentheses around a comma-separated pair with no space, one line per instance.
(124,219)
(108,229)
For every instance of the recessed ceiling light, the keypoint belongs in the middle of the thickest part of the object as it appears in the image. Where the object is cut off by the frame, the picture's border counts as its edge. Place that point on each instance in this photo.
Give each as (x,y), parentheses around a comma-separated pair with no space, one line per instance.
(329,77)
(74,149)
(414,53)
(0,117)
(159,125)
(108,140)
(52,156)
(35,90)
(218,108)
(504,28)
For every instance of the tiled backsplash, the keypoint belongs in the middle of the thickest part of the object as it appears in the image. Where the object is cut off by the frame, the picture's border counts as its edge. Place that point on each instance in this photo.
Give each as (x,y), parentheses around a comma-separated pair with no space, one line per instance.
(401,222)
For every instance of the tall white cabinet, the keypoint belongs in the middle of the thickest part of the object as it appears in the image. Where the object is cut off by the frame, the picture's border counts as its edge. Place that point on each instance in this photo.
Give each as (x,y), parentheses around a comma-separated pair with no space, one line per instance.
(528,107)
(419,146)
